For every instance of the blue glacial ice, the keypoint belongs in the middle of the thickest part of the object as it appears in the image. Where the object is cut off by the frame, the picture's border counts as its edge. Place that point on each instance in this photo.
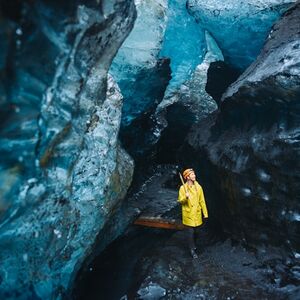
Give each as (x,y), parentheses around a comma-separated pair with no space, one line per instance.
(184,44)
(191,91)
(136,65)
(240,27)
(58,137)
(164,31)
(177,30)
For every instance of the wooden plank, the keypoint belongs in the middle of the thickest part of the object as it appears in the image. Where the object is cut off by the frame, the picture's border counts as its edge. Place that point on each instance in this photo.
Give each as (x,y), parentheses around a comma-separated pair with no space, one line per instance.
(158,223)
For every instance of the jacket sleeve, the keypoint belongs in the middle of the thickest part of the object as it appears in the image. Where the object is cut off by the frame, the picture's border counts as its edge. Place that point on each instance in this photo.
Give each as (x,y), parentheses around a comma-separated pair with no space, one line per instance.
(181,195)
(202,203)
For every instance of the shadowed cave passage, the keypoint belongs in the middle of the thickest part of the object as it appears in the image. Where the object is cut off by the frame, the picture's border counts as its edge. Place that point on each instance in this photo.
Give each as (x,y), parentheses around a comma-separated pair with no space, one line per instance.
(147,263)
(219,76)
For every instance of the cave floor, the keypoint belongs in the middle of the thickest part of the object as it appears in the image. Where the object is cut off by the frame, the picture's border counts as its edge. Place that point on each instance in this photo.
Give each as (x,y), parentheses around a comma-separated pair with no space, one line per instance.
(148,263)
(222,271)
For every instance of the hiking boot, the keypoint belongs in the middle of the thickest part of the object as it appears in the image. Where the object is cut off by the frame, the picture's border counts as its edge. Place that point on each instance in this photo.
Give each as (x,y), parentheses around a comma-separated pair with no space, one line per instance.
(193,253)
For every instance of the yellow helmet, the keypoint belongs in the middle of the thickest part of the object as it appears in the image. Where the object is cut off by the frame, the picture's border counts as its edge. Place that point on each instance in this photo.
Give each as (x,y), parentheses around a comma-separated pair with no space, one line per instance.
(187,172)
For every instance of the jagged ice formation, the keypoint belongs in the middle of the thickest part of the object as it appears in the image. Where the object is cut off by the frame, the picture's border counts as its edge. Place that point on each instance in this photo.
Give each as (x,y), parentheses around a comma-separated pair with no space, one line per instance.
(62,167)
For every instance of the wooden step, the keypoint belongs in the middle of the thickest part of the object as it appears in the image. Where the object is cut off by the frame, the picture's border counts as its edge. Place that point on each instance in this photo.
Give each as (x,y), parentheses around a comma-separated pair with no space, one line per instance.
(159,223)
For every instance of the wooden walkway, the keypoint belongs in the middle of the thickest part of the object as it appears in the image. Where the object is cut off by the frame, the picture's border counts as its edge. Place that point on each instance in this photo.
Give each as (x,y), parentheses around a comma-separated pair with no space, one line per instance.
(159,222)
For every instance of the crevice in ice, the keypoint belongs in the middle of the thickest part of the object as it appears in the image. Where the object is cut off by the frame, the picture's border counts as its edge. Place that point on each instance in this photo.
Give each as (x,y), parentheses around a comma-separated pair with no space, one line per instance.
(219,76)
(184,43)
(191,94)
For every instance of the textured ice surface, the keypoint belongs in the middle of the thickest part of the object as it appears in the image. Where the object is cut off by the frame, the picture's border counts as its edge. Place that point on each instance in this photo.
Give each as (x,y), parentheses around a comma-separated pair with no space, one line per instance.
(184,44)
(176,30)
(163,29)
(151,292)
(135,67)
(143,44)
(62,170)
(192,89)
(239,26)
(191,93)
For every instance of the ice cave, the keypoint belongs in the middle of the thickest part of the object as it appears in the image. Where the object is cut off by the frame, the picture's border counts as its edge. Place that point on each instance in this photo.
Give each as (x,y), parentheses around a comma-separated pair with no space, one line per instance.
(149,149)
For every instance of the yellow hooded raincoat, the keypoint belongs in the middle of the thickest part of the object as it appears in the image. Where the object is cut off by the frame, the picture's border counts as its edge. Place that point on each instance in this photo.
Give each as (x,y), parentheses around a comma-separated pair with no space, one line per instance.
(193,207)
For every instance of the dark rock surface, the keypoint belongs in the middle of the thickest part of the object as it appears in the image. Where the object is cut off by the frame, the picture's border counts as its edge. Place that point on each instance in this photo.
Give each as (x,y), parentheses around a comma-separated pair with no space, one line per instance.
(62,170)
(224,270)
(249,149)
(155,264)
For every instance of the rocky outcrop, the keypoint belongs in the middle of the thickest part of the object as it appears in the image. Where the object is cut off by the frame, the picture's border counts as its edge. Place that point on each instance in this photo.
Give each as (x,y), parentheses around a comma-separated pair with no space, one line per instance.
(250,148)
(64,169)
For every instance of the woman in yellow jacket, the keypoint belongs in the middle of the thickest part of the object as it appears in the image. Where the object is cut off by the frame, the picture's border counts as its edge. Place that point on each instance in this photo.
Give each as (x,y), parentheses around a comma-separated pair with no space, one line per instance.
(193,204)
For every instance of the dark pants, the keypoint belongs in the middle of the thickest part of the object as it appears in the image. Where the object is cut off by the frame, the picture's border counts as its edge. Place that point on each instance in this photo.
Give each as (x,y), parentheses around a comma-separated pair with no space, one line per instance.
(191,236)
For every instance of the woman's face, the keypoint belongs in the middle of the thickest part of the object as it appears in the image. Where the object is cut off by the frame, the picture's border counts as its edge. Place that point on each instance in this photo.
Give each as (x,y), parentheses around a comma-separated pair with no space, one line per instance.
(192,176)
